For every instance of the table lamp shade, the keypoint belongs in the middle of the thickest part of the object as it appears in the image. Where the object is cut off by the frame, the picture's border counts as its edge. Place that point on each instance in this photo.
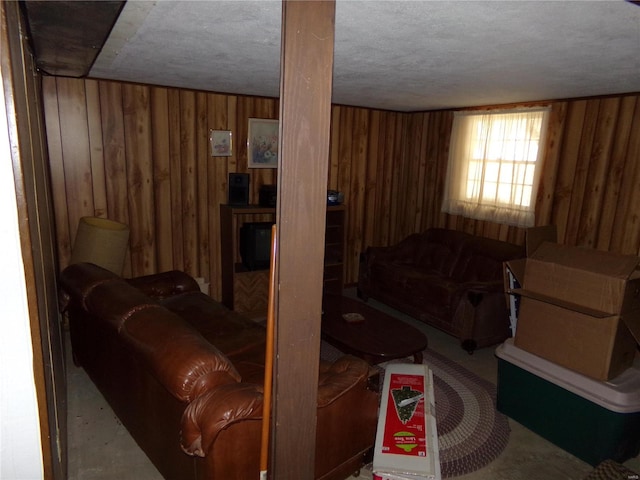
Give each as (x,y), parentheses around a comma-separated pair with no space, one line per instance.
(102,242)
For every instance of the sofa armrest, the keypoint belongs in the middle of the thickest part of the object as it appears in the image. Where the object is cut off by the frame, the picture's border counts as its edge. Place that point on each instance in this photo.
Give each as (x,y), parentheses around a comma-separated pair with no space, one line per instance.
(337,378)
(165,284)
(474,291)
(480,316)
(216,410)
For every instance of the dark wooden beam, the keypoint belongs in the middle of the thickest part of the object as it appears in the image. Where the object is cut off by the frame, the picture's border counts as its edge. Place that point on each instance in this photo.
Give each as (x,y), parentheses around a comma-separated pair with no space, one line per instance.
(305,113)
(66,36)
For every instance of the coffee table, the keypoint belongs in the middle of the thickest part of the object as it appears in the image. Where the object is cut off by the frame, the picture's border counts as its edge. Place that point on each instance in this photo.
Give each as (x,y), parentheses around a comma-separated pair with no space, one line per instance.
(377,338)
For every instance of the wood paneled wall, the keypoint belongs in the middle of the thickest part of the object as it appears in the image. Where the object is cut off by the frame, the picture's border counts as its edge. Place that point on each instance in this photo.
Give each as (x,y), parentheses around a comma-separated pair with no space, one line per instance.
(139,154)
(590,184)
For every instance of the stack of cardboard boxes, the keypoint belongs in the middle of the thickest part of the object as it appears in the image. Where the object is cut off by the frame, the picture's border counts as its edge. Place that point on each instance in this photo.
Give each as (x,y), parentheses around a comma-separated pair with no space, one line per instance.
(576,338)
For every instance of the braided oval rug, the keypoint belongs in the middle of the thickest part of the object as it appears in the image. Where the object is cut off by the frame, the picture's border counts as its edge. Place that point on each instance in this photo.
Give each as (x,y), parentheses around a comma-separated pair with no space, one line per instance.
(471,432)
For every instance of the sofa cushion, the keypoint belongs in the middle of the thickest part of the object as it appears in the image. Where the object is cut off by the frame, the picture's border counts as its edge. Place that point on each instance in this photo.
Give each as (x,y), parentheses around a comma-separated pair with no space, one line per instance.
(79,279)
(165,284)
(482,259)
(477,268)
(229,331)
(180,358)
(440,249)
(115,301)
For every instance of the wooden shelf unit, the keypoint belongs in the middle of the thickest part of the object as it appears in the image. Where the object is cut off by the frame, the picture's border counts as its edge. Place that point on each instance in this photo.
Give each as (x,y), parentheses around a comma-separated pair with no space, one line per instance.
(247,291)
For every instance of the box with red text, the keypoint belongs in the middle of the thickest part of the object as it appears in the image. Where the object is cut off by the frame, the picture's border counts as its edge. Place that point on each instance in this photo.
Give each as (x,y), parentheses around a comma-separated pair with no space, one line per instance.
(407,440)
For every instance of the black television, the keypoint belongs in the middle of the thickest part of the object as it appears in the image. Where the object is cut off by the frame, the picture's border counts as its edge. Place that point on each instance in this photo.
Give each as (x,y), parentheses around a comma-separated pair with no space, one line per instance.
(255,245)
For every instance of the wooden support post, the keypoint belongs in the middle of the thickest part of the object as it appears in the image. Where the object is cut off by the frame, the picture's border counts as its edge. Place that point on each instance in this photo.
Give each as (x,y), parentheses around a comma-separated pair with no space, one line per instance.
(305,116)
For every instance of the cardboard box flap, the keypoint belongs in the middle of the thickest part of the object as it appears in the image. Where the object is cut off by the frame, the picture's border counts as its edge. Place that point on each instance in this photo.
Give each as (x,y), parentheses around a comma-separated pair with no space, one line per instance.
(596,261)
(592,312)
(587,277)
(632,321)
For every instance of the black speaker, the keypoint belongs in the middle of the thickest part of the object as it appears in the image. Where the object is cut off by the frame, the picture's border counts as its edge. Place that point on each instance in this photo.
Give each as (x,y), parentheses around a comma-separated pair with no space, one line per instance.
(238,189)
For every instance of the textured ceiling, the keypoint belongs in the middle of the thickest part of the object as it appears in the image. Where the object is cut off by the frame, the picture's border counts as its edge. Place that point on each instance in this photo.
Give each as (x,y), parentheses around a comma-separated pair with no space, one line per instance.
(397,55)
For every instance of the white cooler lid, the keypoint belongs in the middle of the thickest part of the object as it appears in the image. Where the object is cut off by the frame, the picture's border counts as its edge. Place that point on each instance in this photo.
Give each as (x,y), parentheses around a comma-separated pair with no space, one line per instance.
(620,394)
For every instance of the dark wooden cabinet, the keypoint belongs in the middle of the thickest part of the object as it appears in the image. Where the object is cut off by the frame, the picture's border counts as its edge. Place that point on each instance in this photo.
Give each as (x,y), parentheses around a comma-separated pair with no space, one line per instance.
(334,247)
(246,290)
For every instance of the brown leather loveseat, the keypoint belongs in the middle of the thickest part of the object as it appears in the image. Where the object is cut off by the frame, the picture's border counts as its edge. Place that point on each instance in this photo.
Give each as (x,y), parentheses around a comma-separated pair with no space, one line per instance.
(185,376)
(446,278)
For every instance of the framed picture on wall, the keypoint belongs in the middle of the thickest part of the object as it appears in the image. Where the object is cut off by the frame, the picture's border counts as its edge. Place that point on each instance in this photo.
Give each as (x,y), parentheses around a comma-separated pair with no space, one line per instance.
(221,143)
(262,143)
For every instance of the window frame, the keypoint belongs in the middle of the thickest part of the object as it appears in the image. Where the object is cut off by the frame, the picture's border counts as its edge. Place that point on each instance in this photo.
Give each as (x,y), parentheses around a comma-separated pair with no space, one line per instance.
(460,198)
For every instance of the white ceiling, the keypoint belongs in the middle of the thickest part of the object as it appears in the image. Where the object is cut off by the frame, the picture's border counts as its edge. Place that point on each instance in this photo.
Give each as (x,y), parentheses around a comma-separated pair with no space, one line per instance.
(399,55)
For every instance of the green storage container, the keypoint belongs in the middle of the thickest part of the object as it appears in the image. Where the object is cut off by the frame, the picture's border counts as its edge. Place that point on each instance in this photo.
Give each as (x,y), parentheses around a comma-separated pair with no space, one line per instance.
(590,419)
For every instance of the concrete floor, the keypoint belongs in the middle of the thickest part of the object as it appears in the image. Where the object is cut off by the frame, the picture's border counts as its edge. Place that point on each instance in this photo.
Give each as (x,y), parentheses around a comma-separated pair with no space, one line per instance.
(100,448)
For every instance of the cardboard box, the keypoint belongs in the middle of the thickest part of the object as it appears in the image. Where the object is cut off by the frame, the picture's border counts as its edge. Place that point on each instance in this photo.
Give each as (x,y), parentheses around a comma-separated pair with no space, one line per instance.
(590,419)
(596,346)
(579,307)
(514,270)
(406,445)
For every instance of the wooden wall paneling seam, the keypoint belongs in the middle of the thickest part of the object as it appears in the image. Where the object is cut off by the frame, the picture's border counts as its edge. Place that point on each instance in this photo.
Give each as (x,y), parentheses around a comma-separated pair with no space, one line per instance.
(628,219)
(400,187)
(443,158)
(175,161)
(355,207)
(242,127)
(430,123)
(334,151)
(430,202)
(137,135)
(395,233)
(76,151)
(346,150)
(385,184)
(188,181)
(581,173)
(423,135)
(370,191)
(412,166)
(96,150)
(377,179)
(616,179)
(161,178)
(203,157)
(570,154)
(115,164)
(627,184)
(263,108)
(599,168)
(222,117)
(549,174)
(56,167)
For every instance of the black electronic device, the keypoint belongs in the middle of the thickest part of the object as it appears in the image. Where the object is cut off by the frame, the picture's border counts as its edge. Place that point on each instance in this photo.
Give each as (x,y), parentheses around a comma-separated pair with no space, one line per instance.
(267,195)
(255,245)
(238,189)
(334,197)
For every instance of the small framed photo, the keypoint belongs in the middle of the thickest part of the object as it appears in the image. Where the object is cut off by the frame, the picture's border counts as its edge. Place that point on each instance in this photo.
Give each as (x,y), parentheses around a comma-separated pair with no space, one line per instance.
(262,143)
(221,143)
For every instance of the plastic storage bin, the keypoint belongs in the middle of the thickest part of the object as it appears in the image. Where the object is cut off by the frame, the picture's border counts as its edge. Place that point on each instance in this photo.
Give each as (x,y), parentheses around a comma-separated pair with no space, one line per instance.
(590,419)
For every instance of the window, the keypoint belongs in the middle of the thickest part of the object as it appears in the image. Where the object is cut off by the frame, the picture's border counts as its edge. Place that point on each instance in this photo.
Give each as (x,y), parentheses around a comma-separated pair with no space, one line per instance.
(494,165)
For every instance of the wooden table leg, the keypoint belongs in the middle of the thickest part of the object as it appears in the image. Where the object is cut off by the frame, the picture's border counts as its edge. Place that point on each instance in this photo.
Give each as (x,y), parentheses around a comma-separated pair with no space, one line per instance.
(417,357)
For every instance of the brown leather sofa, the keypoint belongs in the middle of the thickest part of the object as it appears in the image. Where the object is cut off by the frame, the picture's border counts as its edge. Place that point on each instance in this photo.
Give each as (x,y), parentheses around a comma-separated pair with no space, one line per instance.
(185,376)
(448,279)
